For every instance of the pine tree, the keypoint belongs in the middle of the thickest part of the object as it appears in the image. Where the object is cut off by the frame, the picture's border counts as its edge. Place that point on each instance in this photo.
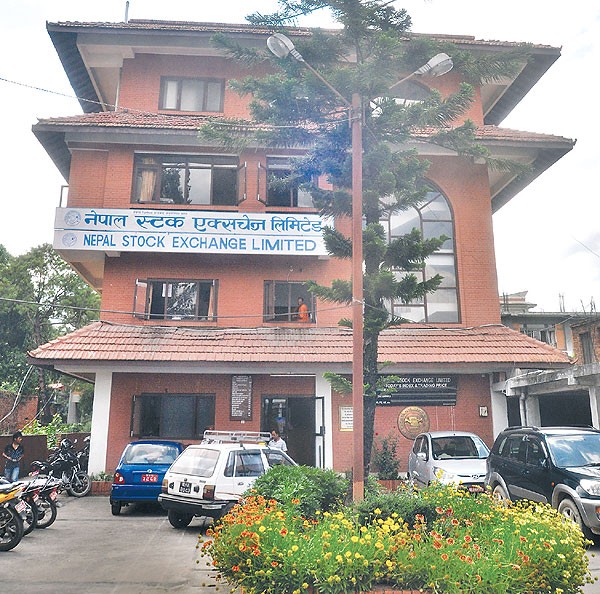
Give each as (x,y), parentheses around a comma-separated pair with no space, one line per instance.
(293,107)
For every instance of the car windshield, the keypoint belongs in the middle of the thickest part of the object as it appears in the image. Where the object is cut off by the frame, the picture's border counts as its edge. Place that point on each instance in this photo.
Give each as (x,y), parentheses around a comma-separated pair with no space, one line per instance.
(196,461)
(150,453)
(575,450)
(458,446)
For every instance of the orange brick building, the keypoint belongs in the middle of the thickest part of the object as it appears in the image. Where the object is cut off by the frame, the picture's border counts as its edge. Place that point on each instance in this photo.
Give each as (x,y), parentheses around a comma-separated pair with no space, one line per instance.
(200,260)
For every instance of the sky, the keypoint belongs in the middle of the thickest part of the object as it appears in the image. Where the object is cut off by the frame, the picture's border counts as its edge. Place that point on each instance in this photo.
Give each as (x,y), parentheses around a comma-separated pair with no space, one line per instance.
(547,238)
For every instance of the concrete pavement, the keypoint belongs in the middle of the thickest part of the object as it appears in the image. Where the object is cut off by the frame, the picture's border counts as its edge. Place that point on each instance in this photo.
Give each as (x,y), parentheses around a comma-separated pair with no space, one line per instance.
(88,550)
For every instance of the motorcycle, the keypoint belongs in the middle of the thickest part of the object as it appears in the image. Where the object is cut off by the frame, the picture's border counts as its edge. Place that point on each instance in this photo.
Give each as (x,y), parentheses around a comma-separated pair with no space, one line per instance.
(63,464)
(28,508)
(83,455)
(11,523)
(44,490)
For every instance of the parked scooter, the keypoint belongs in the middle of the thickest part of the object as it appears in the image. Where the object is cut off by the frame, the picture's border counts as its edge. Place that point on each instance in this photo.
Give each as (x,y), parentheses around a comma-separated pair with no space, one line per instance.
(11,523)
(28,502)
(63,464)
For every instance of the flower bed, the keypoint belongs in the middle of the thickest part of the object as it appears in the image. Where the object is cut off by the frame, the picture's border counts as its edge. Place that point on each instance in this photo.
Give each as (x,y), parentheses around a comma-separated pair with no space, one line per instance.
(468,544)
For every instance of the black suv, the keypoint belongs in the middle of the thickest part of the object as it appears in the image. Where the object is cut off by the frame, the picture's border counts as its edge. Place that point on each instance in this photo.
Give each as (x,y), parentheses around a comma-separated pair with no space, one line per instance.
(557,465)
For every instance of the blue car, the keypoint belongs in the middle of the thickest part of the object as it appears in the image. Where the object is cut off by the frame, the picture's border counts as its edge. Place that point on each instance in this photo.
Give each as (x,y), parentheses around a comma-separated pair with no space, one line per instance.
(140,471)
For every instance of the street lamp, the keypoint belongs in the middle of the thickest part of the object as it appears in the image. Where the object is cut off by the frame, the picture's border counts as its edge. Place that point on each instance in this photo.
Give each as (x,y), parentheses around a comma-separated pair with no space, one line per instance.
(281,46)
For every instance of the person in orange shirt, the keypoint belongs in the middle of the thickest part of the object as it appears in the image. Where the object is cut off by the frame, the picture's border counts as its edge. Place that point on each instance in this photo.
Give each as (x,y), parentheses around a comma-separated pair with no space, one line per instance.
(302,311)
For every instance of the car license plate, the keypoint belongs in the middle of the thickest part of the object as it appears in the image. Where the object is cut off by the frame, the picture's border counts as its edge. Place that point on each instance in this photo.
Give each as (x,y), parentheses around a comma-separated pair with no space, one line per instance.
(149,478)
(53,494)
(185,487)
(21,506)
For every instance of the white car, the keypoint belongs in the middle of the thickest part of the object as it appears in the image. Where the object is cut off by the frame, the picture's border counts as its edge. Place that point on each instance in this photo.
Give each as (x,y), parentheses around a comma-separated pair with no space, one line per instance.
(209,478)
(454,457)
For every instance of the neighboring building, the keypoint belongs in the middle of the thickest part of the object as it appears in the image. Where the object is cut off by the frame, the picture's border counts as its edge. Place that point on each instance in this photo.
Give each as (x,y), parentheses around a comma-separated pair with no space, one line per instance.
(200,262)
(562,396)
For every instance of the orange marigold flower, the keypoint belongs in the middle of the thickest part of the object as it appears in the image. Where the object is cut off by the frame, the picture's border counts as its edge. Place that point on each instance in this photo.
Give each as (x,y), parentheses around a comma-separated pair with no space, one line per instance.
(468,538)
(295,501)
(283,531)
(235,568)
(439,510)
(437,544)
(498,540)
(450,541)
(478,577)
(455,522)
(522,539)
(274,563)
(445,557)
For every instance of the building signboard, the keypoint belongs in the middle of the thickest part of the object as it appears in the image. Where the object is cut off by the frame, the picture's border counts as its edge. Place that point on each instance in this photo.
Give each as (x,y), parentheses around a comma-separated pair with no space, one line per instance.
(241,398)
(432,390)
(136,230)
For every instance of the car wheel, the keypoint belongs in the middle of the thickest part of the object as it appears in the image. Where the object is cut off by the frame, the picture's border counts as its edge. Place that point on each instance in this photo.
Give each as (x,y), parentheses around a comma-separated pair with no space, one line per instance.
(115,508)
(500,493)
(568,509)
(178,520)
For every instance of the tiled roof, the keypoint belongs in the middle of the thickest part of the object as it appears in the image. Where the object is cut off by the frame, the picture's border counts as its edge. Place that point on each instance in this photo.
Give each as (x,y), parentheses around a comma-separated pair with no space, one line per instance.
(108,342)
(199,27)
(138,119)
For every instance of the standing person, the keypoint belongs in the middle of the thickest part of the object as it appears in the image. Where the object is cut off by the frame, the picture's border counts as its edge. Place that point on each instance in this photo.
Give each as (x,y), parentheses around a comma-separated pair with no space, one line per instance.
(13,453)
(277,441)
(302,310)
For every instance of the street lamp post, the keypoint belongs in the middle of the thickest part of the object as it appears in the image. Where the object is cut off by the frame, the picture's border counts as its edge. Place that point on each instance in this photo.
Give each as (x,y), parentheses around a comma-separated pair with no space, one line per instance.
(281,46)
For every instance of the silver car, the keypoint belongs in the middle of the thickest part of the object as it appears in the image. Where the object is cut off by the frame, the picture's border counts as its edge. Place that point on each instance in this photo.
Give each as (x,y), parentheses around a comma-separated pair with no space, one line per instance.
(454,457)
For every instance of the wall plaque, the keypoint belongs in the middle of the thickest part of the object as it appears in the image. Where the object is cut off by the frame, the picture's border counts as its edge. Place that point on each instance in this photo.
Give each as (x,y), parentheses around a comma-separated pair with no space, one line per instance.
(346,418)
(241,398)
(412,421)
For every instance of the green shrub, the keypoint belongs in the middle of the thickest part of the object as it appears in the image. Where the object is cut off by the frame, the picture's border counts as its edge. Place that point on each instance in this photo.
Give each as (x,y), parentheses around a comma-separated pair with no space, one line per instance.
(405,503)
(316,489)
(385,459)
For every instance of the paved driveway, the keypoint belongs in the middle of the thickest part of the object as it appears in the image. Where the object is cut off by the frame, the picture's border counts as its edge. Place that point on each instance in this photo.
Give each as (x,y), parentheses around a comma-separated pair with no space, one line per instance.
(88,550)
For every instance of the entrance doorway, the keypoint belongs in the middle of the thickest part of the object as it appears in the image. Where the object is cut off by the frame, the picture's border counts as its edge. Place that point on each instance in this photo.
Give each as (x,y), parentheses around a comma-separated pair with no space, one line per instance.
(294,418)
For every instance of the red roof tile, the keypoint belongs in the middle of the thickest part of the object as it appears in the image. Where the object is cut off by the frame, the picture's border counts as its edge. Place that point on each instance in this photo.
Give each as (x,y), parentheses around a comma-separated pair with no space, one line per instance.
(104,341)
(130,118)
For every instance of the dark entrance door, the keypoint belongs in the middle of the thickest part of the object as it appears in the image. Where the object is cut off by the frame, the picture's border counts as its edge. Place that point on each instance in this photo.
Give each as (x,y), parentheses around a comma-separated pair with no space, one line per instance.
(294,418)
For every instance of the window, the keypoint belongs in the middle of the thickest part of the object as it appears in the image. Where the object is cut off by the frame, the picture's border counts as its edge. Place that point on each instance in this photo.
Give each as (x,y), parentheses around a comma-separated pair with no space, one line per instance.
(284,302)
(191,94)
(247,463)
(433,218)
(186,179)
(176,300)
(282,188)
(181,416)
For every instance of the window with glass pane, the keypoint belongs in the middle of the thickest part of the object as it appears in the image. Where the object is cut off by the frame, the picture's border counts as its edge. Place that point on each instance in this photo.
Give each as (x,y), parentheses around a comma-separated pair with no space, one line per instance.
(181,300)
(433,218)
(189,179)
(282,189)
(281,302)
(191,94)
(179,416)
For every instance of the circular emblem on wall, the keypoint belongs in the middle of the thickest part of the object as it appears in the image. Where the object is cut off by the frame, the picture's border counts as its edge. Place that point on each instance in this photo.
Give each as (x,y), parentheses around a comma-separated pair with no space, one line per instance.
(72,218)
(413,420)
(69,239)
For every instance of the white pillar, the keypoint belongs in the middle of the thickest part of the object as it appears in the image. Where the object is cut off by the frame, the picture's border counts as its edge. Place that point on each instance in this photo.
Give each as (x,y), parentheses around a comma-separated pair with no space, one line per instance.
(323,389)
(594,393)
(499,411)
(100,417)
(532,405)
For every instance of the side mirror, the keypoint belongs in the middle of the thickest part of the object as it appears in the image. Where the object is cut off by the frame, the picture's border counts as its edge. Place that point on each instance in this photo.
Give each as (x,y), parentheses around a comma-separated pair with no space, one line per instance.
(422,456)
